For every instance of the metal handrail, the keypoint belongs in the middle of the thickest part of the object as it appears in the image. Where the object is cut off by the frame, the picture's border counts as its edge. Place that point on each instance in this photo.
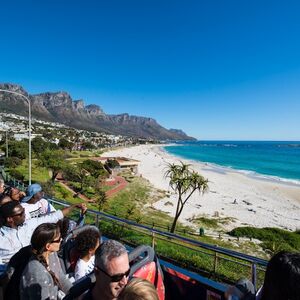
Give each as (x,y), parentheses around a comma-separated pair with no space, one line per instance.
(218,249)
(255,262)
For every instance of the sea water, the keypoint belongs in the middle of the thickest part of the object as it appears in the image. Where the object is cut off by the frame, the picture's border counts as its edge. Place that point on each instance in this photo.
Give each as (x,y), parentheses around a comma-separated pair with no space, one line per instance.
(281,160)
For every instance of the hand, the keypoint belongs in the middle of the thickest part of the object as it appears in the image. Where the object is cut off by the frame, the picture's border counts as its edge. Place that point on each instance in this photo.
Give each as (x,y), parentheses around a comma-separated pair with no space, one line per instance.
(83,209)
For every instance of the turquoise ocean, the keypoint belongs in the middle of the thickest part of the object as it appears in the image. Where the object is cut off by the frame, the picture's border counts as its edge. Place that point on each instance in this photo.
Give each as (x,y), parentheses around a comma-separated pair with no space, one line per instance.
(272,160)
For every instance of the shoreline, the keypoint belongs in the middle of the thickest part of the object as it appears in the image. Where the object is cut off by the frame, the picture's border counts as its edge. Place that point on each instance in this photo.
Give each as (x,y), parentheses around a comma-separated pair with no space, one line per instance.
(249,173)
(245,199)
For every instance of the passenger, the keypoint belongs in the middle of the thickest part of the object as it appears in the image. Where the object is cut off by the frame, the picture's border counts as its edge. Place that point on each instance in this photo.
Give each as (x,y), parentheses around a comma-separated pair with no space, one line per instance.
(34,203)
(282,279)
(43,277)
(15,232)
(111,271)
(139,289)
(87,243)
(15,194)
(4,199)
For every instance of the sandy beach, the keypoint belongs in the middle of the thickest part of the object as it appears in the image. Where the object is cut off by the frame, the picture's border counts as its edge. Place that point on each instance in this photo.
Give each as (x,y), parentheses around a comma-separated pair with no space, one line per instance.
(247,199)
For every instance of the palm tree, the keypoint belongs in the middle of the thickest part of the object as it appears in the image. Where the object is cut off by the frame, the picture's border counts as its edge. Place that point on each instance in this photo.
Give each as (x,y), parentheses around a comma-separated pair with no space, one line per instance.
(184,182)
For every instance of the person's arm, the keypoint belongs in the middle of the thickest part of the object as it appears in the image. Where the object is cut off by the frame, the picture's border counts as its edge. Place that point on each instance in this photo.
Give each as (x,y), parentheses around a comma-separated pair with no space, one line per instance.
(80,221)
(54,264)
(68,209)
(50,218)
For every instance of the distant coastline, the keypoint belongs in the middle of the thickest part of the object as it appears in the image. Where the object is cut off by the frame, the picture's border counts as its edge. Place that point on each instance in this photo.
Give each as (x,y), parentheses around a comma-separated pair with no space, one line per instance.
(244,199)
(251,174)
(267,160)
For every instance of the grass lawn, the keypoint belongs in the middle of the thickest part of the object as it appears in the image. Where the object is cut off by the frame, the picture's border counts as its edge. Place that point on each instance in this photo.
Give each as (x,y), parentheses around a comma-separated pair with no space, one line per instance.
(38,174)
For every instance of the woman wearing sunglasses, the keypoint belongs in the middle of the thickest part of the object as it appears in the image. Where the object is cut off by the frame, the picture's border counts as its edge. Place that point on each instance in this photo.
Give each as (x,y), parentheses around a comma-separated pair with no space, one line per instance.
(43,277)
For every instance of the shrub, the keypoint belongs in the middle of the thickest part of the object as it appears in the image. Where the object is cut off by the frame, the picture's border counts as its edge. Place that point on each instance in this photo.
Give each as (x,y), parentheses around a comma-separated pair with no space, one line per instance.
(16,174)
(274,239)
(12,162)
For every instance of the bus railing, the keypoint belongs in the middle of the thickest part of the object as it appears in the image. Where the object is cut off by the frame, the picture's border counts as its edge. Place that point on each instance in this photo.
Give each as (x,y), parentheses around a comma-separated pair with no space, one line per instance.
(217,255)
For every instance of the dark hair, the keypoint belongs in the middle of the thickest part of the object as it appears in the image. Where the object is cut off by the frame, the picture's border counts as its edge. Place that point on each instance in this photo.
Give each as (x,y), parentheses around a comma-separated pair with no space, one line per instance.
(2,197)
(63,225)
(7,190)
(282,279)
(42,235)
(7,210)
(86,240)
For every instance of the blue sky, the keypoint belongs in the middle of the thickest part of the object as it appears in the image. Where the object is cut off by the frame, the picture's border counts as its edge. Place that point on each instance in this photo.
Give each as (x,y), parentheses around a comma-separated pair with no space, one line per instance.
(216,69)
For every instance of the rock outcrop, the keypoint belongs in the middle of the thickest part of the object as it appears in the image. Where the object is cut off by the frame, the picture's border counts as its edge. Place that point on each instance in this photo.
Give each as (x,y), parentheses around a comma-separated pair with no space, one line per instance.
(60,107)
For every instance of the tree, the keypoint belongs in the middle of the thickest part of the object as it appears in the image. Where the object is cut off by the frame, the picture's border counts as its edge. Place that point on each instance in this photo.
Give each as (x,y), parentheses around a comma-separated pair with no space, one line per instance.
(65,144)
(18,149)
(52,160)
(12,162)
(101,199)
(95,168)
(184,182)
(38,145)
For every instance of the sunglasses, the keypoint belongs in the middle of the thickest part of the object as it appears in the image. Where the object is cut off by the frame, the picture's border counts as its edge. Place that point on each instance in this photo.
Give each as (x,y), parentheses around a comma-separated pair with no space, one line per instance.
(115,278)
(57,240)
(19,214)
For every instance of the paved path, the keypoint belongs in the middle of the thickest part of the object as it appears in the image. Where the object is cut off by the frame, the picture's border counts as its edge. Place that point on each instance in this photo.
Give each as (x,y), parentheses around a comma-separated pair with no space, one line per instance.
(122,183)
(81,196)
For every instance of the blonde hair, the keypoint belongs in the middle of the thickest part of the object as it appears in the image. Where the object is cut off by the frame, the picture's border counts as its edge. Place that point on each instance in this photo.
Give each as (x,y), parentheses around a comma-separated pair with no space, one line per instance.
(139,289)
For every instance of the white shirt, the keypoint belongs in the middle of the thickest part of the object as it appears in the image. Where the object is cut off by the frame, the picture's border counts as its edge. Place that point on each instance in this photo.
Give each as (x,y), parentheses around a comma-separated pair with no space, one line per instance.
(38,209)
(12,240)
(84,268)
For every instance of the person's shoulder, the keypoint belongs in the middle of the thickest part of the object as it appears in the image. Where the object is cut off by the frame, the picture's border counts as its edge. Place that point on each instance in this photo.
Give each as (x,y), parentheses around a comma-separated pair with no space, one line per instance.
(80,263)
(43,200)
(34,268)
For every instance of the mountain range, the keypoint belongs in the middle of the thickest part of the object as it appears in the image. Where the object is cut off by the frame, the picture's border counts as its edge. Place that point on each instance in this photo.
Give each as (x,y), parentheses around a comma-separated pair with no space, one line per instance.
(60,107)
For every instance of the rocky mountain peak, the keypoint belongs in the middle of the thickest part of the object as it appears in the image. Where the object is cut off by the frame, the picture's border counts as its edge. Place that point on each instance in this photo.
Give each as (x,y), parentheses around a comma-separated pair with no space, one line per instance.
(78,104)
(13,88)
(59,107)
(94,110)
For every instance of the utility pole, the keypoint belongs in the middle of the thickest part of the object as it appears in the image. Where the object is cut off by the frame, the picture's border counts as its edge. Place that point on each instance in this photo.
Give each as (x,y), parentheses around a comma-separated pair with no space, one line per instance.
(6,142)
(29,128)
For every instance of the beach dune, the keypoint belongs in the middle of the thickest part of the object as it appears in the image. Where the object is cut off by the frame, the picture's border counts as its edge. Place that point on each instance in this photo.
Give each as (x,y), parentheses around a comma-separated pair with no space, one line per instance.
(246,199)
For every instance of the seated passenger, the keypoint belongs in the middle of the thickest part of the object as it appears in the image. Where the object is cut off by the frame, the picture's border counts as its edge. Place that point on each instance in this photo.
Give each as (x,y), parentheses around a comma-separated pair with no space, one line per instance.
(111,271)
(282,279)
(139,289)
(15,232)
(43,277)
(87,243)
(34,203)
(15,194)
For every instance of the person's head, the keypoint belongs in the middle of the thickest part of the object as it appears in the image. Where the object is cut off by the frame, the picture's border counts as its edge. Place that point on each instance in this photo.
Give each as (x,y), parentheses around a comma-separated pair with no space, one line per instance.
(46,238)
(139,289)
(12,214)
(111,269)
(34,194)
(87,242)
(282,279)
(1,186)
(15,194)
(4,199)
